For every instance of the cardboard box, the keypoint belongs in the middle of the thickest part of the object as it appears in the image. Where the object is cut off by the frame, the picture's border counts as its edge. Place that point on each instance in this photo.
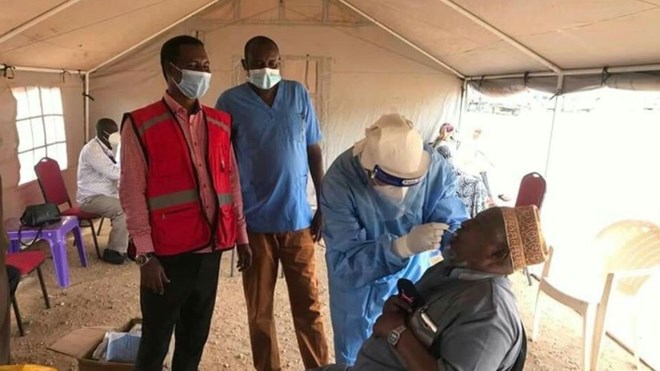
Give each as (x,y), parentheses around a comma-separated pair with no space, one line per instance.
(81,343)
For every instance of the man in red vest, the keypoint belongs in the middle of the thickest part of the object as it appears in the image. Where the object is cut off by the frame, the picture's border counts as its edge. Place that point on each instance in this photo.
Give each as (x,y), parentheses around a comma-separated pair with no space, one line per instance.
(180,191)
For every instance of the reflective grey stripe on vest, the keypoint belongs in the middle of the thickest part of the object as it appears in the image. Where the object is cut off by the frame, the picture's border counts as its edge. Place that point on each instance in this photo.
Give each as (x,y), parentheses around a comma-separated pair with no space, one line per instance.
(173,199)
(221,124)
(225,199)
(153,121)
(184,197)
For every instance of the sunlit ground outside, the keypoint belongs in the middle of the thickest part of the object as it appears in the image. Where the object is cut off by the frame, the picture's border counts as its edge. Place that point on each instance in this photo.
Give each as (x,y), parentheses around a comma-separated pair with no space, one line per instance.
(602,167)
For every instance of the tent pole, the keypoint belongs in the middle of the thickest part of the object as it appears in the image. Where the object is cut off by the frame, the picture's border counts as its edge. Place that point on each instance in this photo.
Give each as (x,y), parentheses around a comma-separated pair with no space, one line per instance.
(86,106)
(36,20)
(573,72)
(40,69)
(463,102)
(402,38)
(558,96)
(508,39)
(155,35)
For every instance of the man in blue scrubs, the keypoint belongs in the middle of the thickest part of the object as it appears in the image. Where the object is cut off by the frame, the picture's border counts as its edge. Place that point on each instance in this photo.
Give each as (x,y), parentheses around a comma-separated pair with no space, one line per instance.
(276,138)
(388,202)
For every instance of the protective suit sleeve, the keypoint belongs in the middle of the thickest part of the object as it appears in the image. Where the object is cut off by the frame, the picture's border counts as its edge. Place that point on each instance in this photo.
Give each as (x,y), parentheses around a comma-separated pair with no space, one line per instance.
(350,255)
(448,208)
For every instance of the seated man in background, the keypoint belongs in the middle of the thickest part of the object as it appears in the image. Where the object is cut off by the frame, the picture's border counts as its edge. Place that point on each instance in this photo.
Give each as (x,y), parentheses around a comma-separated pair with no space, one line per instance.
(464,316)
(98,176)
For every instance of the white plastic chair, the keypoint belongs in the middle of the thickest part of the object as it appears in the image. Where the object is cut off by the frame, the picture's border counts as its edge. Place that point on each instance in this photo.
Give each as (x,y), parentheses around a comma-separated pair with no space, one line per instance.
(630,252)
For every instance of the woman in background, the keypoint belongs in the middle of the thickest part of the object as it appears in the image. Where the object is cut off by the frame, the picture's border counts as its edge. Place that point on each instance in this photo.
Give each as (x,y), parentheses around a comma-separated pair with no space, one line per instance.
(446,138)
(471,189)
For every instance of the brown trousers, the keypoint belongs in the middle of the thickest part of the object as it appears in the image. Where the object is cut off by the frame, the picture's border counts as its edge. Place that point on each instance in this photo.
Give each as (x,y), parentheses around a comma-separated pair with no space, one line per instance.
(296,252)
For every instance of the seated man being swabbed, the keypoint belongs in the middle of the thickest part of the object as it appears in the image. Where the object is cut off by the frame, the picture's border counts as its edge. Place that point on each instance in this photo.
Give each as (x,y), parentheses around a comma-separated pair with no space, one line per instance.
(462,313)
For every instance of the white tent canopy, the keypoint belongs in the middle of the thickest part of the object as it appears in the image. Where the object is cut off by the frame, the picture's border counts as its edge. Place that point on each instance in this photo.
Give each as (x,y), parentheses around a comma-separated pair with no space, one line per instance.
(360,58)
(473,37)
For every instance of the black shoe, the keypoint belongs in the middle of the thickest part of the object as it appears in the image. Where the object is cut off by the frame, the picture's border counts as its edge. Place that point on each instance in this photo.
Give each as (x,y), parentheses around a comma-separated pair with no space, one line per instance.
(113,257)
(504,198)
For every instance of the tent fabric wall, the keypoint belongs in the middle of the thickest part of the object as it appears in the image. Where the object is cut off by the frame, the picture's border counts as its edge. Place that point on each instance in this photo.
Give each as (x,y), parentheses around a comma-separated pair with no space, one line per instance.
(371,74)
(17,197)
(639,81)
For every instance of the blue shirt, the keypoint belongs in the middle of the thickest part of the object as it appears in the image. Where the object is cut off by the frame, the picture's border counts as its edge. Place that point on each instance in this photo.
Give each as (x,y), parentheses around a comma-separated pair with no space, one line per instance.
(271,150)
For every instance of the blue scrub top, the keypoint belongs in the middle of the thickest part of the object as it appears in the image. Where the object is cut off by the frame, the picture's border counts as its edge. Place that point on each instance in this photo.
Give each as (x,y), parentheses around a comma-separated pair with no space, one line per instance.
(271,151)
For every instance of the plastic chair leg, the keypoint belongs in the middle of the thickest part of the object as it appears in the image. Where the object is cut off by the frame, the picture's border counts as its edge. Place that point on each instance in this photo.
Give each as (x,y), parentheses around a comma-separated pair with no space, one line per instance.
(636,341)
(588,323)
(17,314)
(537,317)
(60,263)
(529,276)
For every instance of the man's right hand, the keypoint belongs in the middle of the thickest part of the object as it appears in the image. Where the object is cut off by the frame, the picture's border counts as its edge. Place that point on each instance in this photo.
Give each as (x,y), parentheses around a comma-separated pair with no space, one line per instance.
(152,276)
(421,238)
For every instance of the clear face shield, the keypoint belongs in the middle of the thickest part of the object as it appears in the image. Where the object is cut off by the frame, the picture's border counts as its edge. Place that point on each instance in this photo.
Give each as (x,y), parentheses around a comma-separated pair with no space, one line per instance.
(391,186)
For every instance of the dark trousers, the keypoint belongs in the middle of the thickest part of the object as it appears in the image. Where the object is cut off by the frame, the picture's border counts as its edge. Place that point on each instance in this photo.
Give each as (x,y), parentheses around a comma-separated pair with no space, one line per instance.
(186,308)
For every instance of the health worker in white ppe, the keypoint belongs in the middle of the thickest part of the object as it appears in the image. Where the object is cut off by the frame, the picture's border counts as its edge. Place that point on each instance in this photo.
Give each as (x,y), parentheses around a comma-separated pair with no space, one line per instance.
(388,203)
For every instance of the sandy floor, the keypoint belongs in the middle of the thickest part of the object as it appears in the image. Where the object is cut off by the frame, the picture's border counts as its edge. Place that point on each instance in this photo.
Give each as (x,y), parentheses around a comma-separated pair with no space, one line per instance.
(107,295)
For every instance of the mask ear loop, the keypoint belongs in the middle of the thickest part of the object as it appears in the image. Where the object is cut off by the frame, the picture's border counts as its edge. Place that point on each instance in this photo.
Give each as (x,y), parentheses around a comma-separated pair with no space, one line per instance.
(180,71)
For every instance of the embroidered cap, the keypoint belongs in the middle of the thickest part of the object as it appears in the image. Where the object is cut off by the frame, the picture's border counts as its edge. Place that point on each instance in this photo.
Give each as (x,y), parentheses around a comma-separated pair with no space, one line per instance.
(523,232)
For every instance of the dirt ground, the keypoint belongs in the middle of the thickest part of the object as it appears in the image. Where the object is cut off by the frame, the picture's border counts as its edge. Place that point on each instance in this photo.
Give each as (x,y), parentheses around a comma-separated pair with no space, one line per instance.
(108,295)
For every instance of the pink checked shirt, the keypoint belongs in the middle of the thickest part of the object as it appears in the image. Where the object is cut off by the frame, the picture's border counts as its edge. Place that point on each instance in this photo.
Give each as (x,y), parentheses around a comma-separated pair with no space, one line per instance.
(132,189)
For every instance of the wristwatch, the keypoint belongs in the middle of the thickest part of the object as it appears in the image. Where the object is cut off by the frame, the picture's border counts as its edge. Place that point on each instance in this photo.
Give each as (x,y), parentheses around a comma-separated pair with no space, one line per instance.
(141,260)
(395,335)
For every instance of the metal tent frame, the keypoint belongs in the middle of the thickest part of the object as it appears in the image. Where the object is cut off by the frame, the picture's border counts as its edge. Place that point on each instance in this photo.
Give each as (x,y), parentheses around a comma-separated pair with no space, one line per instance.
(553,69)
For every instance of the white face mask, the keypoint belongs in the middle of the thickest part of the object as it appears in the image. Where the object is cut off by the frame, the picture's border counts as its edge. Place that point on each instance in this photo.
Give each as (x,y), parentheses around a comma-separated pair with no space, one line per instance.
(113,139)
(394,193)
(193,84)
(265,78)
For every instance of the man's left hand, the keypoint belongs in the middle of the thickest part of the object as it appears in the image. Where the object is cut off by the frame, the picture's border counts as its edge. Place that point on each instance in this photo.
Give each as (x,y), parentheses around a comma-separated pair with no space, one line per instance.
(317,226)
(387,322)
(244,257)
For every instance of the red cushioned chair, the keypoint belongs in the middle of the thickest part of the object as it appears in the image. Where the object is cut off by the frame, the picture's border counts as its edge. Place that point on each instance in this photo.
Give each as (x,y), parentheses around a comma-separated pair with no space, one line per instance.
(22,264)
(54,191)
(531,192)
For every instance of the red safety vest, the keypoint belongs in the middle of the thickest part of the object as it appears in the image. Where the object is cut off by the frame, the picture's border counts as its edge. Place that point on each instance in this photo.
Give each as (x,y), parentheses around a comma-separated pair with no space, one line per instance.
(179,223)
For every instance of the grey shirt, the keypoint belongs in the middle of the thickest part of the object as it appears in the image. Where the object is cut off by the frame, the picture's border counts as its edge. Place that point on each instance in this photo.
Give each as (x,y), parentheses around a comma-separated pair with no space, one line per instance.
(477,319)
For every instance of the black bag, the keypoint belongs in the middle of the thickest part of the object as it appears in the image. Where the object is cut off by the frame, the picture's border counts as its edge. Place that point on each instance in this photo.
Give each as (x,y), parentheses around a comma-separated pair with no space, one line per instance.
(38,216)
